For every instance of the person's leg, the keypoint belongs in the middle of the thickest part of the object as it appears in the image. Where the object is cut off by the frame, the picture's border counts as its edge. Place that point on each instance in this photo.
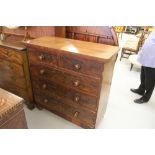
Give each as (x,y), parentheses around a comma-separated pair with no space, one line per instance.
(149,85)
(149,82)
(141,88)
(142,80)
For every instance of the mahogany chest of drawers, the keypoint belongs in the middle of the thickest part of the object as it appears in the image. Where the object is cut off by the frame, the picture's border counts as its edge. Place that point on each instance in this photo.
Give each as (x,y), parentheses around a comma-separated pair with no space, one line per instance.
(14,71)
(71,78)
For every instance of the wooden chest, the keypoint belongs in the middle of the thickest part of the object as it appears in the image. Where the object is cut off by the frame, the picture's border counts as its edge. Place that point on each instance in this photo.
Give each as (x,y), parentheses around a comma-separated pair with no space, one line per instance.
(14,72)
(69,76)
(12,115)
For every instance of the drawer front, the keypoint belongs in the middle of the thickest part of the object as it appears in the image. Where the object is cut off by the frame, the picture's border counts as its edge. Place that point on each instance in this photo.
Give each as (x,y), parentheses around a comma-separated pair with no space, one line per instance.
(84,83)
(11,55)
(41,56)
(81,64)
(46,101)
(11,73)
(66,95)
(80,115)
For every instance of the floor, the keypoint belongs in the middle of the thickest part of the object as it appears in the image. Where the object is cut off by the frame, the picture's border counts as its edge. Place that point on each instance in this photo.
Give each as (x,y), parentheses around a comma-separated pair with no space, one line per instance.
(121,113)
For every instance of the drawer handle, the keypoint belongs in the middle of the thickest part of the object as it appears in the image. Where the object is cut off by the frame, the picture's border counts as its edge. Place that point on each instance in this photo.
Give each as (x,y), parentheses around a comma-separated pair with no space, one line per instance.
(76,114)
(41,57)
(44,86)
(45,100)
(42,71)
(76,98)
(77,66)
(76,83)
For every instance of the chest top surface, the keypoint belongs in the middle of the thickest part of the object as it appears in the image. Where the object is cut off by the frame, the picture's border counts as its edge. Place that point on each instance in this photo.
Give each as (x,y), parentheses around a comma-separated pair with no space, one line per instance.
(101,51)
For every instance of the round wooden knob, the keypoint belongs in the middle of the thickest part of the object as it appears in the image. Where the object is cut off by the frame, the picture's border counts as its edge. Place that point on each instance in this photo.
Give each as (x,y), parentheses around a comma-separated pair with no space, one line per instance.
(44,86)
(77,66)
(41,57)
(76,83)
(76,98)
(76,114)
(42,71)
(45,100)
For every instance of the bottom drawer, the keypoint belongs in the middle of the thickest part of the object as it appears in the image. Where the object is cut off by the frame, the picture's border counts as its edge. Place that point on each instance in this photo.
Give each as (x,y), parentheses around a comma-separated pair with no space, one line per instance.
(78,115)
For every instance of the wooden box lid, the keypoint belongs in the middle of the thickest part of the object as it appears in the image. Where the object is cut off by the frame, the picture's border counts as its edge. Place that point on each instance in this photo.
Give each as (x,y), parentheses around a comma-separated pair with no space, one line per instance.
(9,103)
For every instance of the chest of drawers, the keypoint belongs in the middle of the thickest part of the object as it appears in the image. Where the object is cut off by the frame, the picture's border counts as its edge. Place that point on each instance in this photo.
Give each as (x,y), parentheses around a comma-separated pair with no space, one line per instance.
(14,72)
(69,76)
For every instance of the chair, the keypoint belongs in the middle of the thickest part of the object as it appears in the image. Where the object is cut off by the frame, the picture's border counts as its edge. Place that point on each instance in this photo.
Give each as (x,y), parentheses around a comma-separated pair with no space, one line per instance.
(133,60)
(132,46)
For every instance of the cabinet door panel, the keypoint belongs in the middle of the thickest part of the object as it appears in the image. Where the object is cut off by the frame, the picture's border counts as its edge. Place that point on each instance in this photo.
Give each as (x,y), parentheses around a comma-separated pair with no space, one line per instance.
(11,73)
(11,55)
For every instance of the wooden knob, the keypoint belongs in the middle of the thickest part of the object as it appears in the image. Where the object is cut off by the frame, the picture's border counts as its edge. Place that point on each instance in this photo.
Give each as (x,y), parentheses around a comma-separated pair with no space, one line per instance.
(44,86)
(41,57)
(42,71)
(76,83)
(77,66)
(45,100)
(76,114)
(76,98)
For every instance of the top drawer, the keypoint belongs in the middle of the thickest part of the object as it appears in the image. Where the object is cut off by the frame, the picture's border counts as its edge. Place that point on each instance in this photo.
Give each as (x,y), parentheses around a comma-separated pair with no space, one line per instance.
(42,56)
(11,55)
(81,64)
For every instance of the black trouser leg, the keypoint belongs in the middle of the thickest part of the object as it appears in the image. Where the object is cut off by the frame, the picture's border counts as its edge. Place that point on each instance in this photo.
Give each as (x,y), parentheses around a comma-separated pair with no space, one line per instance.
(142,80)
(149,82)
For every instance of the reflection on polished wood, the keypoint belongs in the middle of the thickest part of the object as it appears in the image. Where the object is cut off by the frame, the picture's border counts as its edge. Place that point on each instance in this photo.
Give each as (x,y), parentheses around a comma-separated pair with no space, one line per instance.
(96,50)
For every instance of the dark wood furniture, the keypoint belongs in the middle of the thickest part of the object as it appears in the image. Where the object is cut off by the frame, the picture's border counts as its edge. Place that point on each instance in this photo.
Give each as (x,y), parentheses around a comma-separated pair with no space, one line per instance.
(12,115)
(36,31)
(96,34)
(14,71)
(71,78)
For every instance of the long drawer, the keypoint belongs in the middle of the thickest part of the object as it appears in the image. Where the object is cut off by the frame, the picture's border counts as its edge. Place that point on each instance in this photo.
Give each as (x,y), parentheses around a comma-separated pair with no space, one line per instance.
(81,64)
(11,55)
(67,95)
(75,81)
